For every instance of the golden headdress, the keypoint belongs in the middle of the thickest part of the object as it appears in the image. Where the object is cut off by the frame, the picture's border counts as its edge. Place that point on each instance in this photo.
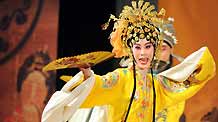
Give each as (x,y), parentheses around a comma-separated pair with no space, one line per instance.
(135,22)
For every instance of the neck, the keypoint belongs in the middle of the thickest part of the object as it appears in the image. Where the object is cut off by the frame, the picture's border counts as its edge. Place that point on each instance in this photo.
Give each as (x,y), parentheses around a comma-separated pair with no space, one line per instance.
(142,71)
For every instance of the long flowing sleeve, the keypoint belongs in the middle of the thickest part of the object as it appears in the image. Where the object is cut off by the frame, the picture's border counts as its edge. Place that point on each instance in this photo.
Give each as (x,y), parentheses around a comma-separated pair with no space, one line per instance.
(96,90)
(173,87)
(63,104)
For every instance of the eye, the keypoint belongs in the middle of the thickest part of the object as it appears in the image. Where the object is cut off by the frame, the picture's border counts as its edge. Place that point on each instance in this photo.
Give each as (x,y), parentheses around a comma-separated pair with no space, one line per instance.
(137,47)
(163,48)
(148,46)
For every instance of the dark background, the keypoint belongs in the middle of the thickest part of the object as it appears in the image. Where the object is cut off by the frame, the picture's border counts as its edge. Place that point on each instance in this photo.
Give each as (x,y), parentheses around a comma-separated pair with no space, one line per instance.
(80,32)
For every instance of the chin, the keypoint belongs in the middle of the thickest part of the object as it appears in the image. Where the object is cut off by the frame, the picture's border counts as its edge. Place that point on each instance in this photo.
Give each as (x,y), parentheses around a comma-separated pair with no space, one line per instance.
(143,67)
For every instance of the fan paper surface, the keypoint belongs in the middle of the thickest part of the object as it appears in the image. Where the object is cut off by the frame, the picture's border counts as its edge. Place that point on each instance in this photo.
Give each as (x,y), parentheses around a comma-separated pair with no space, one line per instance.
(83,60)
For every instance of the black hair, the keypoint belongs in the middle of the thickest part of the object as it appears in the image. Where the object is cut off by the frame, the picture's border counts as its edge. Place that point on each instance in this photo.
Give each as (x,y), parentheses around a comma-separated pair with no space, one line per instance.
(168,43)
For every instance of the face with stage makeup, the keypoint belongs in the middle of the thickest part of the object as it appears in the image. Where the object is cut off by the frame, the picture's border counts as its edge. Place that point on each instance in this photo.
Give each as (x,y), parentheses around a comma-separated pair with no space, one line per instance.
(166,51)
(143,52)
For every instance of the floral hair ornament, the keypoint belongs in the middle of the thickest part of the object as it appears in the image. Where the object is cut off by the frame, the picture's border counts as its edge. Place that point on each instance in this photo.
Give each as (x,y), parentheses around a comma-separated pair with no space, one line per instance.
(135,22)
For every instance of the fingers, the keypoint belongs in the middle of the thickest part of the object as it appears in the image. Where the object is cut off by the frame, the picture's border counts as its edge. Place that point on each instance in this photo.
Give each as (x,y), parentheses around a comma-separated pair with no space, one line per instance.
(84,65)
(86,72)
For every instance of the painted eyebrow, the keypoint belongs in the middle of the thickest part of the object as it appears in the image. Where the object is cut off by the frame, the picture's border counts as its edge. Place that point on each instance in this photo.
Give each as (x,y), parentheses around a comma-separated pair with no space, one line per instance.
(144,44)
(137,44)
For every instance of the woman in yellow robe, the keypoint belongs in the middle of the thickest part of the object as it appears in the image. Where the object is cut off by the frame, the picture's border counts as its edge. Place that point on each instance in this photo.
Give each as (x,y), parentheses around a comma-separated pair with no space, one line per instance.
(131,91)
(115,89)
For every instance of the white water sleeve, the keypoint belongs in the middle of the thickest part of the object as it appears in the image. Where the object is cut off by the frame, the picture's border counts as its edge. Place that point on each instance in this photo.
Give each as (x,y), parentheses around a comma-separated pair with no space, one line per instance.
(182,71)
(64,103)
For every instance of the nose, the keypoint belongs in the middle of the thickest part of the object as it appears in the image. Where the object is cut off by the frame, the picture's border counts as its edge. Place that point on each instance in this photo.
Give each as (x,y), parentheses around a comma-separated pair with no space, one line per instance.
(142,52)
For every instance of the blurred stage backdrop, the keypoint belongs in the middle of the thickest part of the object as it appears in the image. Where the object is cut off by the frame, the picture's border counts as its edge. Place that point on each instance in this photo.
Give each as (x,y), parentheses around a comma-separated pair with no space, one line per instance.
(34,32)
(28,41)
(196,26)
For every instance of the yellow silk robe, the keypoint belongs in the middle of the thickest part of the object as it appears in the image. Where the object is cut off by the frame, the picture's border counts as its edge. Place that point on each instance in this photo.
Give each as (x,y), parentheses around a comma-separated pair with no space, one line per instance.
(171,114)
(115,89)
